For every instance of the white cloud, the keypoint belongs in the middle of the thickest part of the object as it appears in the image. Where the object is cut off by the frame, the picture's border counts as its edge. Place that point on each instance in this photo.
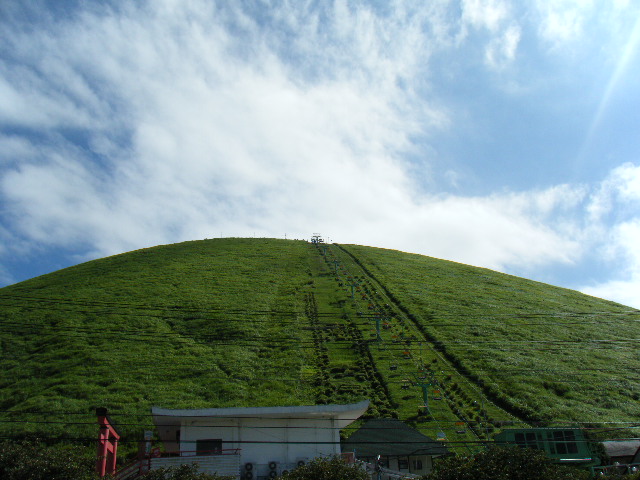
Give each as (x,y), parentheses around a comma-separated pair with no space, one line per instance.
(502,50)
(489,14)
(619,189)
(562,21)
(25,106)
(624,292)
(499,232)
(627,179)
(614,208)
(218,133)
(497,19)
(197,120)
(14,148)
(623,249)
(585,28)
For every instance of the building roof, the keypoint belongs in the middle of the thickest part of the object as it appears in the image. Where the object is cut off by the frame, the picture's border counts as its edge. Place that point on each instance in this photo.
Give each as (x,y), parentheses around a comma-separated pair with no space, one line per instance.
(343,414)
(621,448)
(388,436)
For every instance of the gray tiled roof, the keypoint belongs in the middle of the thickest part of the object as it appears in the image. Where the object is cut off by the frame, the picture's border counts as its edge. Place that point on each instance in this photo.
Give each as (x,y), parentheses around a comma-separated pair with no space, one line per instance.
(626,448)
(388,436)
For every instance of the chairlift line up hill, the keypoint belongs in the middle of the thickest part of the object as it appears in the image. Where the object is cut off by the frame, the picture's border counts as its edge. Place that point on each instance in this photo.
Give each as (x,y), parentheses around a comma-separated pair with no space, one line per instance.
(457,352)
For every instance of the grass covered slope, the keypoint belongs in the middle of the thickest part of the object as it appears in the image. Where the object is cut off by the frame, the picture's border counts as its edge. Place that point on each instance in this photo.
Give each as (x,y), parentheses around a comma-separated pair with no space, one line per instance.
(189,325)
(260,322)
(549,353)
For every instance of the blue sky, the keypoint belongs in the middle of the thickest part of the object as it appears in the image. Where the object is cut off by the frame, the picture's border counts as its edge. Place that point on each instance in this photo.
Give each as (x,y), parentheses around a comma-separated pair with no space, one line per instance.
(496,133)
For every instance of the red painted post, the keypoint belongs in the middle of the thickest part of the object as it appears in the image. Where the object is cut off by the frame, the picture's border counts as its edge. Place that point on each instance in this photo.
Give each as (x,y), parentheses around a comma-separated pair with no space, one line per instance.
(101,464)
(111,461)
(107,445)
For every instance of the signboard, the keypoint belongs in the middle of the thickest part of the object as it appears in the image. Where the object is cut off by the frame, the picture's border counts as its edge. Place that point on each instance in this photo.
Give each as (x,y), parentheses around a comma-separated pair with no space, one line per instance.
(148,436)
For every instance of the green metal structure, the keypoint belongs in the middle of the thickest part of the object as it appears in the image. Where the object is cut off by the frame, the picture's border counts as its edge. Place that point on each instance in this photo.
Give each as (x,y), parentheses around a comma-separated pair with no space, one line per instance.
(563,445)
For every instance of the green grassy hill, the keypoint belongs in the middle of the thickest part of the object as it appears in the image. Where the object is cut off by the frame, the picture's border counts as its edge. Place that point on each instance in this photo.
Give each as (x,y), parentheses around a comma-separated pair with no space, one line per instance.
(258,322)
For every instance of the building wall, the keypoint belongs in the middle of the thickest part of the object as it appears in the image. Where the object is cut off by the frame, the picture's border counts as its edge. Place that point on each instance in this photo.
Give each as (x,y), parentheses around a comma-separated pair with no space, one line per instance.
(409,464)
(266,440)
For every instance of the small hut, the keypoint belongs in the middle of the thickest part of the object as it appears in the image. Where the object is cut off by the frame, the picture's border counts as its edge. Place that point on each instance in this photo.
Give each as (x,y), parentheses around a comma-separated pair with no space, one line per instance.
(400,447)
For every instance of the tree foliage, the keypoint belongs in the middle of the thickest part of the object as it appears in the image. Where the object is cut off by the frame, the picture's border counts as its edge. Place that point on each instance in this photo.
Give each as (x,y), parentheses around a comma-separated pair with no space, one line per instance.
(327,468)
(182,472)
(34,460)
(504,463)
(613,475)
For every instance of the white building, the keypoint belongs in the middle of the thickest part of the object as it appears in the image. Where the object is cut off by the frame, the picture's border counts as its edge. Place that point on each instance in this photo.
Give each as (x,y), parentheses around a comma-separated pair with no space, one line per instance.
(251,442)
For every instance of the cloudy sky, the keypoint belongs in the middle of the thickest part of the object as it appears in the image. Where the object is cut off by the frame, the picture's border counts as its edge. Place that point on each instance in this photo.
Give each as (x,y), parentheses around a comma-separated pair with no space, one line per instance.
(497,133)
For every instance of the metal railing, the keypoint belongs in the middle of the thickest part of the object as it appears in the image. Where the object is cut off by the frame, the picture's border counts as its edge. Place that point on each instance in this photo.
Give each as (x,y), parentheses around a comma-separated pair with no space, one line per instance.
(157,459)
(617,469)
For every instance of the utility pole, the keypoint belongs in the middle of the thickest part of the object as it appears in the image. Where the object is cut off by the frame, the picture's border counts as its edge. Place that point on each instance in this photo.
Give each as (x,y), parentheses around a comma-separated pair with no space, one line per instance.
(425,390)
(353,285)
(378,320)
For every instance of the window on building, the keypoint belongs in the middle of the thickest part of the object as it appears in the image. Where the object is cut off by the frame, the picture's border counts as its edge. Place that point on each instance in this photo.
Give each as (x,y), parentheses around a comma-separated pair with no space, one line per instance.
(209,446)
(526,440)
(403,464)
(417,465)
(562,442)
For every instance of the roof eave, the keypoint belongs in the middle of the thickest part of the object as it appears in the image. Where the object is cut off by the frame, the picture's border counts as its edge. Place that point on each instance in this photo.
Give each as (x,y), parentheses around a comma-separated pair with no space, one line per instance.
(344,414)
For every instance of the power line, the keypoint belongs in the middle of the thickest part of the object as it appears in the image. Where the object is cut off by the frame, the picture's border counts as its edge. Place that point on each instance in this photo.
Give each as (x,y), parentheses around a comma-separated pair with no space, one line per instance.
(245,312)
(554,426)
(461,443)
(556,423)
(17,327)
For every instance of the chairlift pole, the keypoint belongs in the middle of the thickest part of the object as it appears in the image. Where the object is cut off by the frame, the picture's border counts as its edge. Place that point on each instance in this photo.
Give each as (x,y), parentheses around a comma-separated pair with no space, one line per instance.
(353,285)
(425,394)
(425,391)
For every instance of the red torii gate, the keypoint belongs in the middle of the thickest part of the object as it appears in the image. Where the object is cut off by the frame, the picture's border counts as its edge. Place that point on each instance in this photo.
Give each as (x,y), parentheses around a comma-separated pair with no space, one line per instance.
(107,445)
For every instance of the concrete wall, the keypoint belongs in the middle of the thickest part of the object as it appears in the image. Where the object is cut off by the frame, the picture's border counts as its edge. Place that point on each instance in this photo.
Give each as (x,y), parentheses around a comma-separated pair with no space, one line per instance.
(265,440)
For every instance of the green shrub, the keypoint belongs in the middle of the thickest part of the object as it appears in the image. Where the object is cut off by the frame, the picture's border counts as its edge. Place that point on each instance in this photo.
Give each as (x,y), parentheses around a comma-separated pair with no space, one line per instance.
(504,463)
(182,472)
(621,476)
(33,460)
(331,468)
